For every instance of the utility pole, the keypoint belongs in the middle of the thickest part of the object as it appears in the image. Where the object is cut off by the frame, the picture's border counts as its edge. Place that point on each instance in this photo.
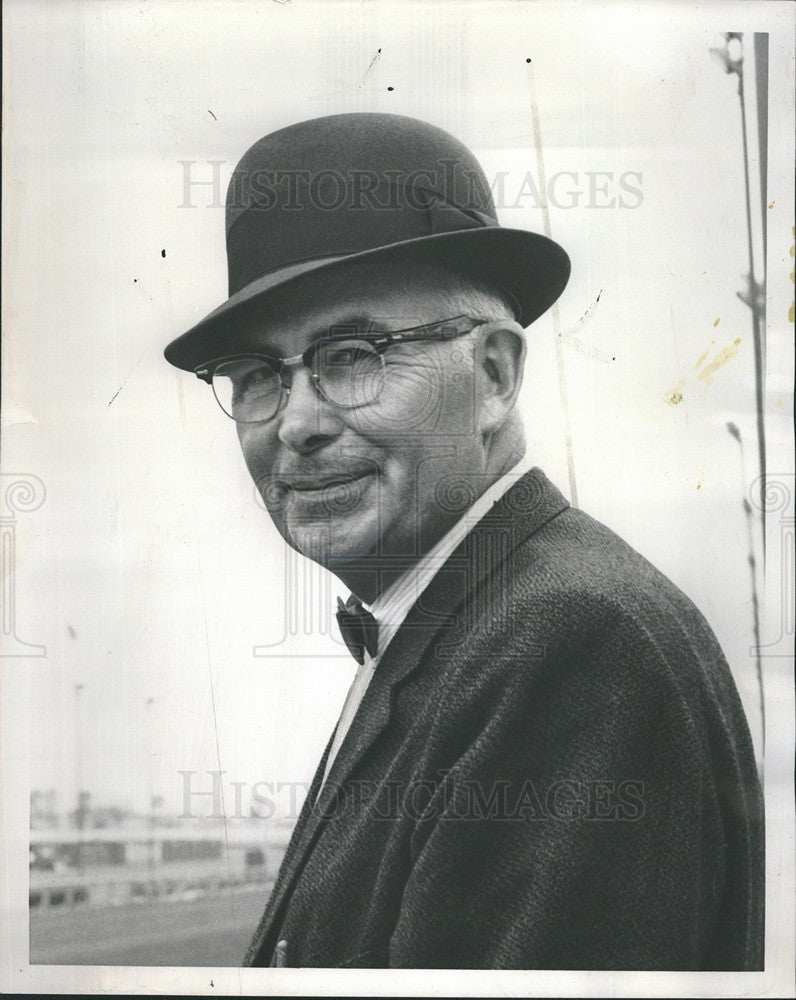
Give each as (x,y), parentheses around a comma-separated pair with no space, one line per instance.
(150,798)
(747,508)
(731,55)
(78,775)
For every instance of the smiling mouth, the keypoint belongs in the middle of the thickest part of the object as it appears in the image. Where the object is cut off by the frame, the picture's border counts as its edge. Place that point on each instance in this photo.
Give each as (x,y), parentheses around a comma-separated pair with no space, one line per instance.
(328,482)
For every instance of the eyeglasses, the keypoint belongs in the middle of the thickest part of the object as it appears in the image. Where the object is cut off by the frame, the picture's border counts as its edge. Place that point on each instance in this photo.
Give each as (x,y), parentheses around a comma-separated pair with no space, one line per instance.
(346,369)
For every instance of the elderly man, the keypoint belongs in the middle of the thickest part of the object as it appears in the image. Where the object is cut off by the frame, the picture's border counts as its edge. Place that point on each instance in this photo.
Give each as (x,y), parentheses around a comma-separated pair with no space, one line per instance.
(542,761)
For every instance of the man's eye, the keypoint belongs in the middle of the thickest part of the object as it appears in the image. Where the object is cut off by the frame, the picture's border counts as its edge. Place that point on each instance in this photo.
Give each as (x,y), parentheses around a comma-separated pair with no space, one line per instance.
(254,378)
(348,355)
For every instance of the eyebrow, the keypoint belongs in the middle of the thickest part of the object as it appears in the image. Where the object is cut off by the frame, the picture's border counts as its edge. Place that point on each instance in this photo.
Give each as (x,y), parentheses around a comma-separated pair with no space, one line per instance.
(355,323)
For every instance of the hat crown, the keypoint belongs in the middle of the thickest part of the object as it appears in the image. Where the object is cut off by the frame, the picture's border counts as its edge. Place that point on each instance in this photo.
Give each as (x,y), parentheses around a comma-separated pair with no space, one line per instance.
(396,149)
(345,184)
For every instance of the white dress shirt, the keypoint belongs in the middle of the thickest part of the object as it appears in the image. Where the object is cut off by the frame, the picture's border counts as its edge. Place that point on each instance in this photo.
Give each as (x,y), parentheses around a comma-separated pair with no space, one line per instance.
(391,608)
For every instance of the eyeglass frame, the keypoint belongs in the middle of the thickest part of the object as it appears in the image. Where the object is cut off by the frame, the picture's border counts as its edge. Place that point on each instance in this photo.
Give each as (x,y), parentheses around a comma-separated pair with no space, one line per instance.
(380,341)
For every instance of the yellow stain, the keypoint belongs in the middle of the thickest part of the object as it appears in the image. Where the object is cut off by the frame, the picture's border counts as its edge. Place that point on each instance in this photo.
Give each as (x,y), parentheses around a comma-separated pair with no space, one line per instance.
(702,358)
(675,395)
(721,359)
(716,323)
(790,313)
(772,204)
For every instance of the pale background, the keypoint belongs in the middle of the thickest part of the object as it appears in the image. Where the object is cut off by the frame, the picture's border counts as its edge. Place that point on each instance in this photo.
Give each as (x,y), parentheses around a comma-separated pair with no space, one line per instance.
(150,571)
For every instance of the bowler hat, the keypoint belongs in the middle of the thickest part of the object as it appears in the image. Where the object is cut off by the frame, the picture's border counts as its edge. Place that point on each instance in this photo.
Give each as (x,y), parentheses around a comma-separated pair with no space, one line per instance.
(343,189)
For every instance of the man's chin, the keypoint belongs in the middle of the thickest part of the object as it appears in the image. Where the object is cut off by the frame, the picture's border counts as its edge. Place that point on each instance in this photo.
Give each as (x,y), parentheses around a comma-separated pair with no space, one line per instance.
(333,546)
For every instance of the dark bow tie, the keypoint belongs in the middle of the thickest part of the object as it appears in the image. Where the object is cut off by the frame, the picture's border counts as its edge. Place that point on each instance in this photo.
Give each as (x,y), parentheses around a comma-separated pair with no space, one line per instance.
(359,628)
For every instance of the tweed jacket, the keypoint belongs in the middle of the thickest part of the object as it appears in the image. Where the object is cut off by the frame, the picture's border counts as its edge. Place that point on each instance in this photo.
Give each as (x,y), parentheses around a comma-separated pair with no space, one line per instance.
(550,769)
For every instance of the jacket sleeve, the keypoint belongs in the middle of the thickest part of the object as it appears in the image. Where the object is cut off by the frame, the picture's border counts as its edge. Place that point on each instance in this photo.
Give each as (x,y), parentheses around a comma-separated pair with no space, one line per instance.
(581,825)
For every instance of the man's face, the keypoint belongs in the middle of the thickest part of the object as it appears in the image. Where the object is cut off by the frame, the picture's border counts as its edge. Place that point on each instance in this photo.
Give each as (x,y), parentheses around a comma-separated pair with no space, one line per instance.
(380,479)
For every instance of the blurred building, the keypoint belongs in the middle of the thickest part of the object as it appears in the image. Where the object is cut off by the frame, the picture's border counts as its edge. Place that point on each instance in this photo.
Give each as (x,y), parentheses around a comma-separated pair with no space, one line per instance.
(109,855)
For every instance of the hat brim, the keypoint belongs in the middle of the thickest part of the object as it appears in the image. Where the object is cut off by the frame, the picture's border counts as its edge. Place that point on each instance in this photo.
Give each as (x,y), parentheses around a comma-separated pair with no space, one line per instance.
(533,269)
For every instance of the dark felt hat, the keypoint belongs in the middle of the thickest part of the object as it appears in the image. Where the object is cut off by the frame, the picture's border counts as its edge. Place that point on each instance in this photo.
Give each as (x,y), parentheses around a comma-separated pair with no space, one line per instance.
(348,188)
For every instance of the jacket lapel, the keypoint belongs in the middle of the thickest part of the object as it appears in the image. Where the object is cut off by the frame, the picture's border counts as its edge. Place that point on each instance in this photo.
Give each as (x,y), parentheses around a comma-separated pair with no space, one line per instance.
(289,864)
(522,510)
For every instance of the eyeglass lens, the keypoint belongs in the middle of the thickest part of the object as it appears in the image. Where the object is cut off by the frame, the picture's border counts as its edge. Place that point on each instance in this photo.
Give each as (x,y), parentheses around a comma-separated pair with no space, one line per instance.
(349,373)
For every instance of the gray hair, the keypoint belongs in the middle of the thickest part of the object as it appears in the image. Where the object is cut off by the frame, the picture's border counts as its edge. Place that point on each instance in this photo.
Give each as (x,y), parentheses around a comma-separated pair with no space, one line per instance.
(464,295)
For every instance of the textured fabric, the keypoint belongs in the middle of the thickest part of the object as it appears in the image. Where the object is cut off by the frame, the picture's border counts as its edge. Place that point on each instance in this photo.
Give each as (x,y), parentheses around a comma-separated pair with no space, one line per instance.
(356,693)
(549,769)
(391,608)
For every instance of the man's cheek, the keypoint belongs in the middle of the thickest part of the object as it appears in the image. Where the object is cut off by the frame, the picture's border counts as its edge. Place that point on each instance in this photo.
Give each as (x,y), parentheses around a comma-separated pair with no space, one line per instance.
(408,404)
(259,457)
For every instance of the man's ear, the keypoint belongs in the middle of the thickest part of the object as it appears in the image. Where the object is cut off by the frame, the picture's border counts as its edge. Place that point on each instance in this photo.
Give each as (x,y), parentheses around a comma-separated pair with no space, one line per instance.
(500,360)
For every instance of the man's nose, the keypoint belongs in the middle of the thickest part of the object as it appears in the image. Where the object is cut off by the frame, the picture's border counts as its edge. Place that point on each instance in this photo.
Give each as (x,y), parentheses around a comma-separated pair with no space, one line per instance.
(306,421)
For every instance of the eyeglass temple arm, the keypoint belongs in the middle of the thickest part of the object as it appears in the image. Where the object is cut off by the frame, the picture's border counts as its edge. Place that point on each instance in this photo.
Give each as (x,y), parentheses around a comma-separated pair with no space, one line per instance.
(448,329)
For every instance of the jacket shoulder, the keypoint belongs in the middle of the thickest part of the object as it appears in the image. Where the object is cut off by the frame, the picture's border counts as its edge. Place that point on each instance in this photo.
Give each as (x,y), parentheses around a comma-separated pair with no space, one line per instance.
(574,599)
(576,575)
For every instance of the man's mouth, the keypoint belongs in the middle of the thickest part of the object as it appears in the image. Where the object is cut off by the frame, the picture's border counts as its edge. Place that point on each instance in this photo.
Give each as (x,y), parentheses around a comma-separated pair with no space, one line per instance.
(315,483)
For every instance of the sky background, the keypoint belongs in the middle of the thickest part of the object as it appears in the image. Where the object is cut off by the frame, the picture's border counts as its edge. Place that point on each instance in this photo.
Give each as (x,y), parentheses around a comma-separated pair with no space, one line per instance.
(150,571)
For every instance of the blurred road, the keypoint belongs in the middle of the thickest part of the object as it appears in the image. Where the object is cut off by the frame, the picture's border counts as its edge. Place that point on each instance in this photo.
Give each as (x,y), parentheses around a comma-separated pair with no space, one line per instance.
(213,930)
